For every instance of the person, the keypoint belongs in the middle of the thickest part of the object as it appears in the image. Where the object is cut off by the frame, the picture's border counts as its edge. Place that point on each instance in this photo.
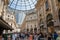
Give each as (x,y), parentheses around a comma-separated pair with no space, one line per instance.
(35,36)
(9,38)
(31,36)
(22,35)
(49,36)
(17,38)
(55,35)
(41,36)
(26,36)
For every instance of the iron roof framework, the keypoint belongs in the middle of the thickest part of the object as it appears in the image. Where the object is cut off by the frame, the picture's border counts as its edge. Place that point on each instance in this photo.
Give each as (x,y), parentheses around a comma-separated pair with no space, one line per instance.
(22,4)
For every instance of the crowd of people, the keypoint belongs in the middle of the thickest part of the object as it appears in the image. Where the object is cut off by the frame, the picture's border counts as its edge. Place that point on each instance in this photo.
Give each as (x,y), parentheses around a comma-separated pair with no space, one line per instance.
(37,36)
(51,34)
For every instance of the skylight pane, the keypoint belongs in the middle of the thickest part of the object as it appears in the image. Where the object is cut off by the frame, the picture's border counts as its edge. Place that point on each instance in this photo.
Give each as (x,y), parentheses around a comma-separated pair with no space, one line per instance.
(35,2)
(18,7)
(30,2)
(15,1)
(12,6)
(27,3)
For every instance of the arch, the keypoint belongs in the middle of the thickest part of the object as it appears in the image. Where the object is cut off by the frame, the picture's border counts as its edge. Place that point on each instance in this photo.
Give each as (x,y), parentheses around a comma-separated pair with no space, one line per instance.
(51,23)
(27,29)
(31,30)
(35,29)
(49,17)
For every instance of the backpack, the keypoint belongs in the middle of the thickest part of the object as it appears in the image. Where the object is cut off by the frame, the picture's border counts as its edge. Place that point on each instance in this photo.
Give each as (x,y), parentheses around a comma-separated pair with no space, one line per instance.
(55,35)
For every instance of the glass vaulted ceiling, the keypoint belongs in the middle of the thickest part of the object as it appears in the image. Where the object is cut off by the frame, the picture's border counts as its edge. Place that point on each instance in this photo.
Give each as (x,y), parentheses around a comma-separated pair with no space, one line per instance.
(22,4)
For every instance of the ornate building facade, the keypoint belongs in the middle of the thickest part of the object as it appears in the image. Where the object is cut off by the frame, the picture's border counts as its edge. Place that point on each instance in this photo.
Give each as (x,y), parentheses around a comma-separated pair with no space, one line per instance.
(48,14)
(31,22)
(10,19)
(7,16)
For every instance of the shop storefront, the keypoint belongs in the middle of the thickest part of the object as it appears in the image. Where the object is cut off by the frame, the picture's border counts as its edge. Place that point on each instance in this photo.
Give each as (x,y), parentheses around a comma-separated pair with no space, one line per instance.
(4,26)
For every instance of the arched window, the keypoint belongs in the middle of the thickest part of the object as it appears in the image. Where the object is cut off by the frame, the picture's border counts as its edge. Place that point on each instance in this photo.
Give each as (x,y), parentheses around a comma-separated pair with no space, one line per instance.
(47,6)
(59,14)
(31,30)
(49,17)
(35,29)
(51,23)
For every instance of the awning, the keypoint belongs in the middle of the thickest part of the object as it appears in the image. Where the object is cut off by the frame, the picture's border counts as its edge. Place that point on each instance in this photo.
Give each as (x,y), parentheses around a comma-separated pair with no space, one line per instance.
(5,25)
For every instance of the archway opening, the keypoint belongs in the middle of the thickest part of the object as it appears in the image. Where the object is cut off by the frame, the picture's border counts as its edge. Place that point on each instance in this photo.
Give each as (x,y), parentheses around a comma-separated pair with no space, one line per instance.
(50,23)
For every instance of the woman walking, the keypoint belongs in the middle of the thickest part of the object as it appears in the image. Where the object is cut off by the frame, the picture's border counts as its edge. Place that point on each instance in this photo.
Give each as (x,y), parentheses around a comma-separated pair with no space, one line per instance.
(31,37)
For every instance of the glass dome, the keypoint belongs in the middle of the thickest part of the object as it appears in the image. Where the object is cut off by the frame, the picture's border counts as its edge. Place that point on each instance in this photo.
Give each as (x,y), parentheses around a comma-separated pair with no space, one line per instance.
(22,4)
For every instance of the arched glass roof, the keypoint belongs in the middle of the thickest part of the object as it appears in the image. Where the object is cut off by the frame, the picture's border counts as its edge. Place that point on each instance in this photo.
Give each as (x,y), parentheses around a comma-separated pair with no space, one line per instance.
(22,4)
